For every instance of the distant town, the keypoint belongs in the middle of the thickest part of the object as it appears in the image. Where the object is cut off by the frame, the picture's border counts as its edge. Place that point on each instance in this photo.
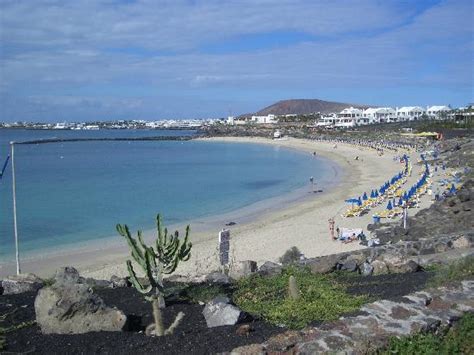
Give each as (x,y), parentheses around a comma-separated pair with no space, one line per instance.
(349,117)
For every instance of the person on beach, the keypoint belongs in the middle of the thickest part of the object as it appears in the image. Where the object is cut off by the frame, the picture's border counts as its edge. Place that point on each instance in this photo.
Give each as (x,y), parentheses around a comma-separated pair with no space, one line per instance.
(350,239)
(311,180)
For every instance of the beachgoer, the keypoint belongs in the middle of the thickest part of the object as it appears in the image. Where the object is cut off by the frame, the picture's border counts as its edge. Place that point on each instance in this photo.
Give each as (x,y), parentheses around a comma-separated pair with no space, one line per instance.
(350,239)
(331,228)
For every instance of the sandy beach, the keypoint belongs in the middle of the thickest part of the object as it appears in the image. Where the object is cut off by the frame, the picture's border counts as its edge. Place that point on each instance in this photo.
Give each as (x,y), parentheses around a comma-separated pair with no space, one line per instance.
(268,233)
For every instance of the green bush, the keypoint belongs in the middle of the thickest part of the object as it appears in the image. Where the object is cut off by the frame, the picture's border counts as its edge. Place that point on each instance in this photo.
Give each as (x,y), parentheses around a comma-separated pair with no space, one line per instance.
(291,256)
(457,340)
(321,298)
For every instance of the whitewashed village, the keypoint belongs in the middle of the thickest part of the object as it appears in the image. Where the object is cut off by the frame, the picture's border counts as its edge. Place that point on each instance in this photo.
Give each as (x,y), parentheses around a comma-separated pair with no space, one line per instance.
(349,117)
(352,116)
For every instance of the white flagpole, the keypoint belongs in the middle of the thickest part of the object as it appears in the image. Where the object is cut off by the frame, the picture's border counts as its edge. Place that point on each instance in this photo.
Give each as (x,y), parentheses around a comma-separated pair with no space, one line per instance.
(405,215)
(15,226)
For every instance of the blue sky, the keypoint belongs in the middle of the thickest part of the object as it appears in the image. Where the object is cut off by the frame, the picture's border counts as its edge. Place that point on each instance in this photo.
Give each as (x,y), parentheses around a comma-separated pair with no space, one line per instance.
(88,60)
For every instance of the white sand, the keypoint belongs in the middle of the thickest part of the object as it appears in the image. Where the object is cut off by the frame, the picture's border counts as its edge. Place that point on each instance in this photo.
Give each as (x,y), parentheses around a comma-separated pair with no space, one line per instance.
(268,236)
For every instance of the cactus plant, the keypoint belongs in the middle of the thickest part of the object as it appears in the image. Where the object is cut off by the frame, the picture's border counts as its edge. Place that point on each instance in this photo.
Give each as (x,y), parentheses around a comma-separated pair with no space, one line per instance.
(164,259)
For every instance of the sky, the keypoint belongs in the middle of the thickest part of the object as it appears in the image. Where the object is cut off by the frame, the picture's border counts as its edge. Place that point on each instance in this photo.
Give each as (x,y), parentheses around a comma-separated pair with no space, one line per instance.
(87,60)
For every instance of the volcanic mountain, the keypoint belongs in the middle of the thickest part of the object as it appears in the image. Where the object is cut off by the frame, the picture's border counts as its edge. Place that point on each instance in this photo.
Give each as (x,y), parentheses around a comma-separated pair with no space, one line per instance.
(305,106)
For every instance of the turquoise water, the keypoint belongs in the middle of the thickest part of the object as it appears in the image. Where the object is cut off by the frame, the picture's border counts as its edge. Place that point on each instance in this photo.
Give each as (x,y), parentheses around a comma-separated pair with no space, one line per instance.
(74,192)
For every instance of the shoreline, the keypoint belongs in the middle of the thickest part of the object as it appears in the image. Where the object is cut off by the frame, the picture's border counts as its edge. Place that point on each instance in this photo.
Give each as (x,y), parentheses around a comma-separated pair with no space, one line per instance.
(263,232)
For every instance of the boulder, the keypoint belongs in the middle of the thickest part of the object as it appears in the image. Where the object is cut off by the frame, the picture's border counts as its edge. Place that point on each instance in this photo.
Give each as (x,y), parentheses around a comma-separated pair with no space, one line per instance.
(243,269)
(379,267)
(366,269)
(67,275)
(21,283)
(219,312)
(407,267)
(349,265)
(462,242)
(98,283)
(69,307)
(324,264)
(117,281)
(269,268)
(217,278)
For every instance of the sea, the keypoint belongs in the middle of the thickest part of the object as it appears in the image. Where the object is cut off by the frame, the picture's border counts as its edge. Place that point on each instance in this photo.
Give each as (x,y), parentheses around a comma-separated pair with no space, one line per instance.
(74,192)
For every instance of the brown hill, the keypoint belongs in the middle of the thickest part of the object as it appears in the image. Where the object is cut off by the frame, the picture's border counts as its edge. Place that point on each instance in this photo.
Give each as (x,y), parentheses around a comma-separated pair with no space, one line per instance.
(305,106)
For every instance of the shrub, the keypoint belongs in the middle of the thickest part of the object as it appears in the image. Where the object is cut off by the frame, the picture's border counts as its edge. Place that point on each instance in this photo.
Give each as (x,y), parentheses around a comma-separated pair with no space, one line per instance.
(291,256)
(202,293)
(320,298)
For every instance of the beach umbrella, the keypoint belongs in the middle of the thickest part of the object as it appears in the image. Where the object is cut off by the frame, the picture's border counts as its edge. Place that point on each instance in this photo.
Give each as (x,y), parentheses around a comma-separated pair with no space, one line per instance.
(372,194)
(352,200)
(400,201)
(359,201)
(452,190)
(389,206)
(365,197)
(376,193)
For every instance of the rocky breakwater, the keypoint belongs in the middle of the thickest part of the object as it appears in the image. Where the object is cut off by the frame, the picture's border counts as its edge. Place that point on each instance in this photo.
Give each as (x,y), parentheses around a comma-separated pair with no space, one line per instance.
(401,257)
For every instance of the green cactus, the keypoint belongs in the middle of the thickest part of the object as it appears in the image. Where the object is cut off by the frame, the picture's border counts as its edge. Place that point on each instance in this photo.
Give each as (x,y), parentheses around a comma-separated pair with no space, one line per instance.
(164,259)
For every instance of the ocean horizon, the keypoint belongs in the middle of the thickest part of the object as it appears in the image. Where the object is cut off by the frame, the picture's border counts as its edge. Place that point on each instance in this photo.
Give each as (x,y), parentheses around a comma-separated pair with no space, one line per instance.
(71,193)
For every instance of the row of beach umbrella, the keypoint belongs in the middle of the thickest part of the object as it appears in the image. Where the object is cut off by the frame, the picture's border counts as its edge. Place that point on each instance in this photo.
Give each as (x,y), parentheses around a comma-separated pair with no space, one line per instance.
(407,195)
(374,193)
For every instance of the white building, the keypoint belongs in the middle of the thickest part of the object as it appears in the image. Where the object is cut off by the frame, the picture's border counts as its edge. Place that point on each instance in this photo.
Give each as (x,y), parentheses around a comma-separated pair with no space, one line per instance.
(349,117)
(327,120)
(264,119)
(379,115)
(437,111)
(409,113)
(60,126)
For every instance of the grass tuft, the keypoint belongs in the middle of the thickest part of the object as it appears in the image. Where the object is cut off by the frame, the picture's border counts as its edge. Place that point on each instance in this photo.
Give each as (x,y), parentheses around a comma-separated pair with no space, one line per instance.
(202,292)
(322,298)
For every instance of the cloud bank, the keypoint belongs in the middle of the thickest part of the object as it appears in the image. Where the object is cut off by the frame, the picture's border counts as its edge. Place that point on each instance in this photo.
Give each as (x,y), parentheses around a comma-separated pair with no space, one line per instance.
(88,60)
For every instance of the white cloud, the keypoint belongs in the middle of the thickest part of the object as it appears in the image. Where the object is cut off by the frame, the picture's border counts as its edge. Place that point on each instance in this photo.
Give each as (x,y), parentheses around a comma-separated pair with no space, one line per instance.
(112,55)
